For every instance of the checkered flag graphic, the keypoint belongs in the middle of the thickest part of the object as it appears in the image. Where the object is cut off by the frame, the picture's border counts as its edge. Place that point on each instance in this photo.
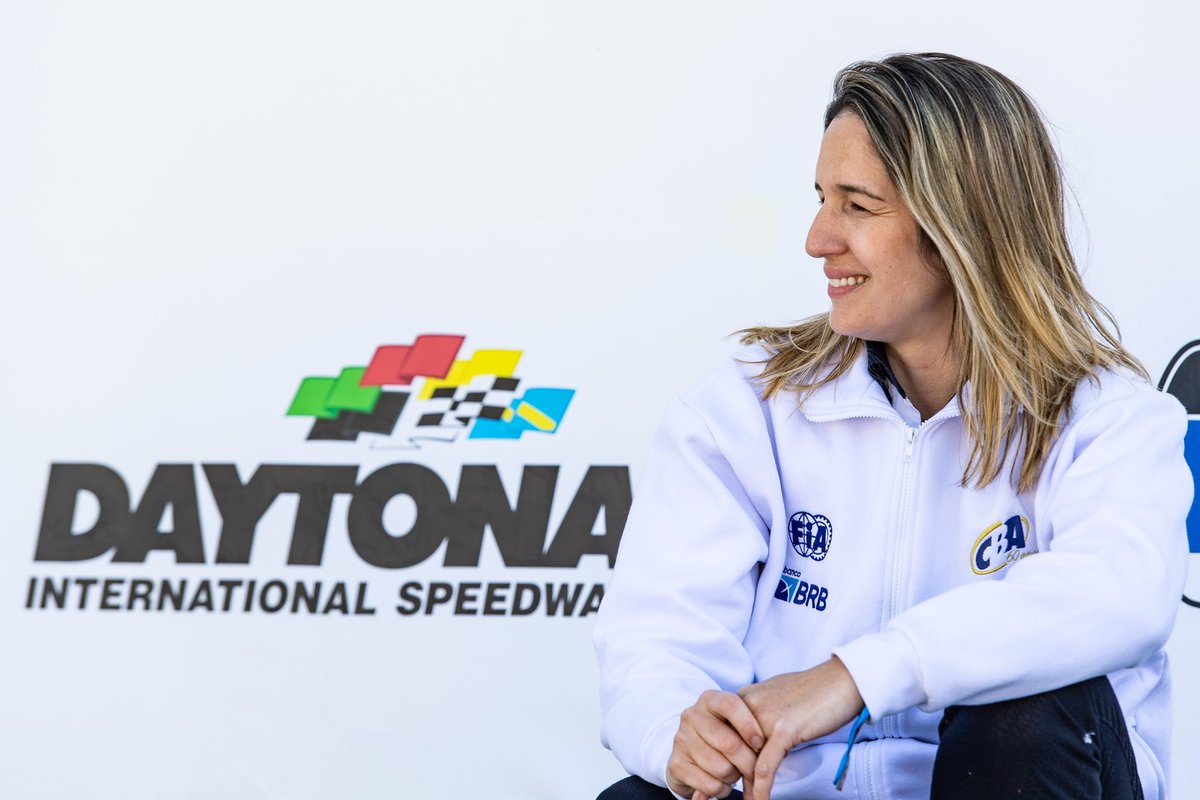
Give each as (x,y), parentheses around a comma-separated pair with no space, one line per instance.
(455,407)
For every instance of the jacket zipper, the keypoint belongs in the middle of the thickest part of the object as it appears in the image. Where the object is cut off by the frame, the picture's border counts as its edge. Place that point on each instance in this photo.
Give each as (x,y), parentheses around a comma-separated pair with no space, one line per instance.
(899,561)
(888,725)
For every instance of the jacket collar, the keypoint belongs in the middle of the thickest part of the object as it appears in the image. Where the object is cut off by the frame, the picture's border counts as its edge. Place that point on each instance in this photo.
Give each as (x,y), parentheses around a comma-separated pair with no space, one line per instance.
(881,370)
(858,393)
(854,394)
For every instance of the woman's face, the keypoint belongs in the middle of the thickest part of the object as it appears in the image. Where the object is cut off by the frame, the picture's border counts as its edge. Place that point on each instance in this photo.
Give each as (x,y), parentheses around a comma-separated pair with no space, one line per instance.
(882,289)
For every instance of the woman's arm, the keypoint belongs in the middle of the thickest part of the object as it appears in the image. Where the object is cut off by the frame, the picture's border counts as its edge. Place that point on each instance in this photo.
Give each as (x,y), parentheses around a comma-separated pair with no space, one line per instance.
(1101,595)
(679,603)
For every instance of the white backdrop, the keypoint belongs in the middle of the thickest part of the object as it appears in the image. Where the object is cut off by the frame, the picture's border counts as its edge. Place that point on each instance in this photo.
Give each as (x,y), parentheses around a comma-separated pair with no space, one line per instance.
(201,204)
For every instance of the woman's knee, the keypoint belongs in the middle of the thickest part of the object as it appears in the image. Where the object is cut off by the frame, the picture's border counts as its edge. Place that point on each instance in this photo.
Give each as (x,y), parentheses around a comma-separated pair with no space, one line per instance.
(1068,743)
(634,788)
(1023,726)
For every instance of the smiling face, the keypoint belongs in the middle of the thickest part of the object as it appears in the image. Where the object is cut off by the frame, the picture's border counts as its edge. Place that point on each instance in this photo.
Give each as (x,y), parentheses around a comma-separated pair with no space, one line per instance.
(881,287)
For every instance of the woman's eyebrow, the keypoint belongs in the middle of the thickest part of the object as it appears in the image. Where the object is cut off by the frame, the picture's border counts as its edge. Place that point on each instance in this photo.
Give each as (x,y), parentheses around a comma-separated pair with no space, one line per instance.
(850,188)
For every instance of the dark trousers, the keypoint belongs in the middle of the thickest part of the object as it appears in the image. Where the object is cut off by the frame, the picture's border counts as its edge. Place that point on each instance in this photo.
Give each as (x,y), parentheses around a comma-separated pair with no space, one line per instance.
(1070,744)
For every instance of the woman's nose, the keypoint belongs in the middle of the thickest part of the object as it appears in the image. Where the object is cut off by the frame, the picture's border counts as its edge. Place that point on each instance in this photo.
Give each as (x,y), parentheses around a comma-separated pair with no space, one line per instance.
(824,239)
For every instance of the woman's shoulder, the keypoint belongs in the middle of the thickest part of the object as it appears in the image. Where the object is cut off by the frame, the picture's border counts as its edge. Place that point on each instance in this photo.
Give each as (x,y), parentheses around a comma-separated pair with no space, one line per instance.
(1118,385)
(726,407)
(732,386)
(724,424)
(1110,394)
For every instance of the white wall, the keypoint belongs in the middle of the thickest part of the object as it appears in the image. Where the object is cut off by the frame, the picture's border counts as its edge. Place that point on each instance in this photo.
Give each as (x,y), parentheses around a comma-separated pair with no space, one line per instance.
(201,204)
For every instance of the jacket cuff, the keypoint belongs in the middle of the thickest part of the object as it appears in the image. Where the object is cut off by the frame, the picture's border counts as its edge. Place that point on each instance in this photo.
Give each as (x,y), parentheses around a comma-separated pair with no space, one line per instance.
(886,671)
(656,749)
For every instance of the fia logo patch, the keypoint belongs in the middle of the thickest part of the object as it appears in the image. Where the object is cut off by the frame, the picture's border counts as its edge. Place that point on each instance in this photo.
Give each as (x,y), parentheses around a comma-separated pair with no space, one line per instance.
(810,534)
(1000,545)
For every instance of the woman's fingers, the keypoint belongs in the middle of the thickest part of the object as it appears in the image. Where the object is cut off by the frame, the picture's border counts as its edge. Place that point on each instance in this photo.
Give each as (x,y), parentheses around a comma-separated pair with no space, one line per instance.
(769,759)
(733,709)
(716,744)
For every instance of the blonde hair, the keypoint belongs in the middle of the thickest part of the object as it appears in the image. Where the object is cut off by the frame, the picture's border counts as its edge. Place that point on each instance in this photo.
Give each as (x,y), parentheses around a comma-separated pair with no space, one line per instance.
(970,157)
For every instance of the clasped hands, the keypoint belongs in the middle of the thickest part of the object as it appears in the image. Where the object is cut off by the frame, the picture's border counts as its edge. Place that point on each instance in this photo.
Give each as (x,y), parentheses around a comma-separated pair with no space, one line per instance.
(726,736)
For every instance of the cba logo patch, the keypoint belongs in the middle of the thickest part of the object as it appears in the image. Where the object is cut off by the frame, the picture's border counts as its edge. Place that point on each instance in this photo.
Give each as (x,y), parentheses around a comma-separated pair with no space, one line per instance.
(810,534)
(1000,545)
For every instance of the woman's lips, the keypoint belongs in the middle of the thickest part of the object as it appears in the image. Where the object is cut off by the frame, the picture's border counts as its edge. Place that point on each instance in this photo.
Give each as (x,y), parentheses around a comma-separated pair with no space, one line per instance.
(840,287)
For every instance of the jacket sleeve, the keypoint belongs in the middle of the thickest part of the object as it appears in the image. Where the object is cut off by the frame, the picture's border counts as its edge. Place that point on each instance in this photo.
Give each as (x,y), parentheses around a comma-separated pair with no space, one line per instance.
(1101,595)
(678,605)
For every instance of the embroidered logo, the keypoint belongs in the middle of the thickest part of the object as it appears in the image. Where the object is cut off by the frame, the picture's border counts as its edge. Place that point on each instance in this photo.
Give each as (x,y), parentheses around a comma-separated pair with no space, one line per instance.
(1000,545)
(794,589)
(810,534)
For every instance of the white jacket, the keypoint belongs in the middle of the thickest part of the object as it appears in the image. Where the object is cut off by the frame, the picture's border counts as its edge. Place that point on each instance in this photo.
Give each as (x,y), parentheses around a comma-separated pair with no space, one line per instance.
(764,538)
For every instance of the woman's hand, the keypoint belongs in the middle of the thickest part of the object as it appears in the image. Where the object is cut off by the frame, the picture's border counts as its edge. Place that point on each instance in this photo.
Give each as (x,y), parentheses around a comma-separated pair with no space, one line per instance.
(794,708)
(716,744)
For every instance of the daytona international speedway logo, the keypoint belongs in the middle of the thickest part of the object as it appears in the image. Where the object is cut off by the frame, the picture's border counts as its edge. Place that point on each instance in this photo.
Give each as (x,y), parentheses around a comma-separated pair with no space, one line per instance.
(428,391)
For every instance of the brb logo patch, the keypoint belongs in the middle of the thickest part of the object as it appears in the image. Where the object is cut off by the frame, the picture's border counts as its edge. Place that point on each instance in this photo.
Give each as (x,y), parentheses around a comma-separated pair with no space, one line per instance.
(1000,545)
(794,589)
(810,534)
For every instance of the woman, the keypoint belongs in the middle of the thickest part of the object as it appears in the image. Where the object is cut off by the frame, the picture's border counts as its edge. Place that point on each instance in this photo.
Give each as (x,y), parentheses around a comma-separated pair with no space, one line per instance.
(955,492)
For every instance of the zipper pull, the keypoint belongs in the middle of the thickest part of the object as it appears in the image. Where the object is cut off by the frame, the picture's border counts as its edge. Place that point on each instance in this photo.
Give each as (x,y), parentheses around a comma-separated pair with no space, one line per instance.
(910,436)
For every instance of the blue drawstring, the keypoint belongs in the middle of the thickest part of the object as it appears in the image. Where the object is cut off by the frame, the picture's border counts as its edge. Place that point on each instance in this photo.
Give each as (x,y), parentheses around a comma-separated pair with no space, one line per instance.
(840,777)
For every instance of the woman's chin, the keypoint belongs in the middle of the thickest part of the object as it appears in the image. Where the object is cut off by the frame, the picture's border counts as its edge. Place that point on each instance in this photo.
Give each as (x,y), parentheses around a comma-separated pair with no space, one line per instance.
(844,327)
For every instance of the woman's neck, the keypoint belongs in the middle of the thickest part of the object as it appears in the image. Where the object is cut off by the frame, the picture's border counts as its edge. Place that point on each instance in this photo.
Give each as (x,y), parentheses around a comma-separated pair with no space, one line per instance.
(929,374)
